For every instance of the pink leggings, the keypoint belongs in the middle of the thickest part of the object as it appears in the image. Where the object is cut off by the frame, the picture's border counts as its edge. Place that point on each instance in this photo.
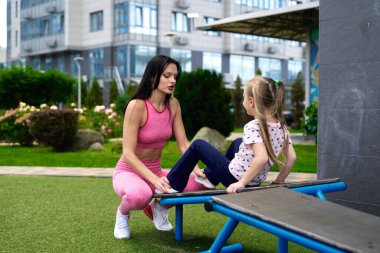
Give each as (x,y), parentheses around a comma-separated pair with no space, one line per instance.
(134,191)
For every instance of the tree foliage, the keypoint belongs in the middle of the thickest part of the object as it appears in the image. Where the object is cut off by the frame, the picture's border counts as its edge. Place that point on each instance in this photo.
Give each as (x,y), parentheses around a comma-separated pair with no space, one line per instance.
(310,124)
(19,84)
(297,98)
(204,102)
(95,96)
(113,92)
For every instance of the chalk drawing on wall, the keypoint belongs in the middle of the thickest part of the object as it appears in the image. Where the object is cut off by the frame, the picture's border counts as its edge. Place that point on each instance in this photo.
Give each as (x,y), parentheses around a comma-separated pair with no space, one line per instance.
(314,70)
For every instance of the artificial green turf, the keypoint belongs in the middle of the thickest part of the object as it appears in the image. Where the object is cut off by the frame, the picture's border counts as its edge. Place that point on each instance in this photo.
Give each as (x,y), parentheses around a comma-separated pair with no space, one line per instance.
(44,156)
(68,214)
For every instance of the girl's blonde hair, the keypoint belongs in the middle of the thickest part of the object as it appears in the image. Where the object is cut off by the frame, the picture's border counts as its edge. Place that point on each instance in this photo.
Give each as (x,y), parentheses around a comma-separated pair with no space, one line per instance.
(268,99)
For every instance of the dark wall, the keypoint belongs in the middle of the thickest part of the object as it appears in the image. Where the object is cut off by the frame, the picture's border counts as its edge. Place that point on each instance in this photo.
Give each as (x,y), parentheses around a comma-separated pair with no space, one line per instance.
(349,100)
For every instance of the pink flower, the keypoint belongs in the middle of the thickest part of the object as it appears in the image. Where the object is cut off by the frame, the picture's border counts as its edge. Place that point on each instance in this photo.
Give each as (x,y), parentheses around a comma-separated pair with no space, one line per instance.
(117,123)
(109,131)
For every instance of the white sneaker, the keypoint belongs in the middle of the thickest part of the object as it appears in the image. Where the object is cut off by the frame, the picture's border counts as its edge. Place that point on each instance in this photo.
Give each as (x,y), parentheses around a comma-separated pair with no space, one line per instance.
(168,190)
(160,217)
(205,182)
(121,230)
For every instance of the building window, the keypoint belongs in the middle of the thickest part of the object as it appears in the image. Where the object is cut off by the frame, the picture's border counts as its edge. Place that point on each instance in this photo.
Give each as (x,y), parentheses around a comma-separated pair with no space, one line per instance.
(180,22)
(61,63)
(16,38)
(16,9)
(212,61)
(270,67)
(57,23)
(96,63)
(121,18)
(242,66)
(96,21)
(48,63)
(210,33)
(44,26)
(142,54)
(143,19)
(294,67)
(120,59)
(262,4)
(183,57)
(36,62)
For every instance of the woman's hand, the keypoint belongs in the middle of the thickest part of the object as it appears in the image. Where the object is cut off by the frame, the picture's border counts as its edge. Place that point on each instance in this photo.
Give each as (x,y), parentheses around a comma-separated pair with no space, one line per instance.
(162,184)
(199,173)
(232,188)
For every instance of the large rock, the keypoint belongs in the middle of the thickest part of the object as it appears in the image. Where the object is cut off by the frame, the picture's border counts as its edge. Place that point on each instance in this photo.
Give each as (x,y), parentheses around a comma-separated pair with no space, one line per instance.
(211,136)
(96,147)
(84,138)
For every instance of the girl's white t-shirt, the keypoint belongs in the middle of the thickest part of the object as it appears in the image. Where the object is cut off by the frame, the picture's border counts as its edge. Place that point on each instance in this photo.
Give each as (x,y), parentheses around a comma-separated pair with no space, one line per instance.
(252,134)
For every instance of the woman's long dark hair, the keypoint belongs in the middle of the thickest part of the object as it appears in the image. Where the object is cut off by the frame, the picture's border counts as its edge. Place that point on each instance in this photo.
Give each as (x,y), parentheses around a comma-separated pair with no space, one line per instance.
(153,72)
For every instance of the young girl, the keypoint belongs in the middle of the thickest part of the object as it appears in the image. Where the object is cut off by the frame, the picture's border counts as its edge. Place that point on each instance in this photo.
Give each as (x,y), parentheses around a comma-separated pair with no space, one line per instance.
(151,116)
(248,160)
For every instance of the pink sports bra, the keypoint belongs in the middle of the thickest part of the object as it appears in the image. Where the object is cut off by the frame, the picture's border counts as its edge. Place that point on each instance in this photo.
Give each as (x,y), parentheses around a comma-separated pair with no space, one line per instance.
(157,129)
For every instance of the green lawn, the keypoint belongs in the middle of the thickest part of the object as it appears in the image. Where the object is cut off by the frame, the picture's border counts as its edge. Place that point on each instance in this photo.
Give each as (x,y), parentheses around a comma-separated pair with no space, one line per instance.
(44,156)
(68,214)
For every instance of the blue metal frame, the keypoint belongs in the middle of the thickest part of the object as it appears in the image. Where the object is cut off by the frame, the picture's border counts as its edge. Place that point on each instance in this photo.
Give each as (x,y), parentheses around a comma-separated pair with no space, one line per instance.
(284,235)
(178,202)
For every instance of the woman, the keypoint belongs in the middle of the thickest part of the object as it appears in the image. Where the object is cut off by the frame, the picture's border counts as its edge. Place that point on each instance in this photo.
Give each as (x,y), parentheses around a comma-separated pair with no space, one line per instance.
(151,117)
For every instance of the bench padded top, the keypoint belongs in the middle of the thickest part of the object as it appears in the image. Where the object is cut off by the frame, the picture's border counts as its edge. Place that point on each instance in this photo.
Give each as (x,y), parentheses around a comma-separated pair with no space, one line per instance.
(334,224)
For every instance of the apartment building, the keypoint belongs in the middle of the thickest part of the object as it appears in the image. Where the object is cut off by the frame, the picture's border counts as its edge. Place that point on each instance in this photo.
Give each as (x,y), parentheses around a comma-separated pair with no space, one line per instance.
(117,37)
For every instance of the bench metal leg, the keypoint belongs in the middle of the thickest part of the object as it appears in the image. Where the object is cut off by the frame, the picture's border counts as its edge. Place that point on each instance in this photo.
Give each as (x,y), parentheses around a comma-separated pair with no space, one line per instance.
(223,236)
(282,245)
(178,222)
(319,194)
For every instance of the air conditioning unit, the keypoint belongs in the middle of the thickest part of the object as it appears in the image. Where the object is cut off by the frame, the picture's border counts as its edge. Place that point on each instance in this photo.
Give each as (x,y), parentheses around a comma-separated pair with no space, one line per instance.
(249,47)
(182,41)
(51,8)
(27,48)
(27,14)
(51,43)
(272,50)
(183,4)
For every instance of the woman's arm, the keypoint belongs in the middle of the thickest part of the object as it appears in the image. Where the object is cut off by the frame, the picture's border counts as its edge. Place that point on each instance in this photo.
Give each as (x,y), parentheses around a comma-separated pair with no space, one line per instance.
(179,131)
(259,160)
(135,116)
(285,170)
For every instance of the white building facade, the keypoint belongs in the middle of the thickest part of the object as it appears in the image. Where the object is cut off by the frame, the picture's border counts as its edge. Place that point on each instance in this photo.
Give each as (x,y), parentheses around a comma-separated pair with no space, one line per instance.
(126,34)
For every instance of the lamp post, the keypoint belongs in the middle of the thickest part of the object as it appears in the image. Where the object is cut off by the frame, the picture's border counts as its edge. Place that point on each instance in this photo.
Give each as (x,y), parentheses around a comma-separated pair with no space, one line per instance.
(77,60)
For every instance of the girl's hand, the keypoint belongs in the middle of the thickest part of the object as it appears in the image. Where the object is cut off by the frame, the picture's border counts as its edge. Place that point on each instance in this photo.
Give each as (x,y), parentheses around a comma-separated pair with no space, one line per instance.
(162,184)
(232,188)
(198,172)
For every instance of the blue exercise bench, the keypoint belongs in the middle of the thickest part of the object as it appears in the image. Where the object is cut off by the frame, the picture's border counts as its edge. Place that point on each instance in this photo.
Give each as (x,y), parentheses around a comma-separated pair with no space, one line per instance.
(316,188)
(320,225)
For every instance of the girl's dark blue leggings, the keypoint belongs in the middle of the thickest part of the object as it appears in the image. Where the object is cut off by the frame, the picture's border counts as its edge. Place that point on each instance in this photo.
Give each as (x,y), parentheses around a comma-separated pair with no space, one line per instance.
(217,164)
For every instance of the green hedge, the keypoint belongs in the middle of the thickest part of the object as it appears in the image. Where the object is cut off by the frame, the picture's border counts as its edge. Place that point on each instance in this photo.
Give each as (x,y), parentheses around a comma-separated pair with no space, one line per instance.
(56,128)
(19,84)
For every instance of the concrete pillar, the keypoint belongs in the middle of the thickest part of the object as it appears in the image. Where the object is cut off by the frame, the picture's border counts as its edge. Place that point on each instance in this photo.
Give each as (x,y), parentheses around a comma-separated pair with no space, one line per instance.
(349,104)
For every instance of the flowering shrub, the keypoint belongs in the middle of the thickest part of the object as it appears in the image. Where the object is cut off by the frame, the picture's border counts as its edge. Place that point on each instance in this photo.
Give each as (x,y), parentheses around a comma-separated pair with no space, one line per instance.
(104,120)
(14,124)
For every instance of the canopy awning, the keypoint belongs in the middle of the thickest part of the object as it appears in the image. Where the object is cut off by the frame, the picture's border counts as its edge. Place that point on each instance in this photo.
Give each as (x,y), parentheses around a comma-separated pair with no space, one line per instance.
(291,23)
